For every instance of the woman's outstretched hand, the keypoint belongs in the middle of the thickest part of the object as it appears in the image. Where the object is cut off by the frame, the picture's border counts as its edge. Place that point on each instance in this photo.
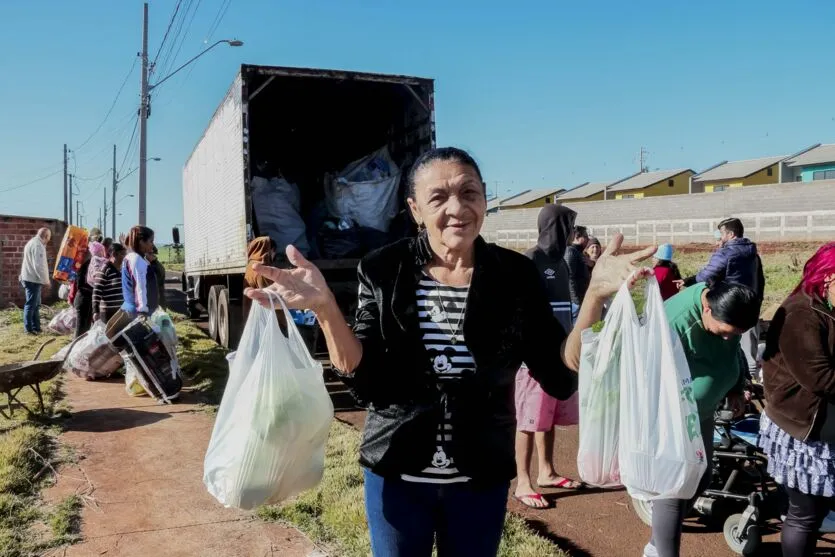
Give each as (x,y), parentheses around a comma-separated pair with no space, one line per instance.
(302,287)
(612,270)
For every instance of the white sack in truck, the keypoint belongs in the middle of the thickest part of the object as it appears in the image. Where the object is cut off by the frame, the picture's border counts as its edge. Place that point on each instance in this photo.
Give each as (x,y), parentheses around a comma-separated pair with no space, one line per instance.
(365,192)
(277,205)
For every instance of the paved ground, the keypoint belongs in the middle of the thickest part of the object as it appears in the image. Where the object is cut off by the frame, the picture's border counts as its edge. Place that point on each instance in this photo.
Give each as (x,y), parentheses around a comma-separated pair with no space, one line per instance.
(141,465)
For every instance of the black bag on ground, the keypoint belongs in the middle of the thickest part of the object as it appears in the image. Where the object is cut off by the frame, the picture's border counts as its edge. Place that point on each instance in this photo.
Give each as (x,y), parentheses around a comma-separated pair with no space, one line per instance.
(143,349)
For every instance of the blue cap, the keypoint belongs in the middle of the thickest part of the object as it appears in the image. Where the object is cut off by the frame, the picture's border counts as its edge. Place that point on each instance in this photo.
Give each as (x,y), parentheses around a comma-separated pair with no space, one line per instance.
(665,252)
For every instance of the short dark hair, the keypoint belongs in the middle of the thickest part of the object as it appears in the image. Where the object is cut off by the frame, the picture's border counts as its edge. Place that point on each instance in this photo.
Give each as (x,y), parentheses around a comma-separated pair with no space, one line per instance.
(734,304)
(442,154)
(115,248)
(733,225)
(581,232)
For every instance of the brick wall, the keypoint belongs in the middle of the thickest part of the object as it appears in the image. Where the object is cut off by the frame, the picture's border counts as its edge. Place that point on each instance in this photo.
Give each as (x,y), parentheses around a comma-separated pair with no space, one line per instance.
(14,233)
(776,212)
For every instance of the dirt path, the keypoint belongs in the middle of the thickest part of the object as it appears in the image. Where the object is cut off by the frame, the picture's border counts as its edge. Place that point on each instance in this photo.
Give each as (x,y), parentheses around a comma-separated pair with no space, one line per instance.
(145,463)
(599,523)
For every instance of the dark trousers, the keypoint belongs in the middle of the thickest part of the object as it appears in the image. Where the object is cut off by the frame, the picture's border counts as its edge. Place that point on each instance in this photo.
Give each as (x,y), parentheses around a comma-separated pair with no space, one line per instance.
(83,314)
(32,307)
(803,521)
(404,518)
(668,514)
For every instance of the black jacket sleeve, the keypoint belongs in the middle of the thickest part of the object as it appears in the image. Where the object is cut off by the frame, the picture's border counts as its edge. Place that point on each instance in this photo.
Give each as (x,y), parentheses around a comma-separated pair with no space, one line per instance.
(760,279)
(362,380)
(542,339)
(577,275)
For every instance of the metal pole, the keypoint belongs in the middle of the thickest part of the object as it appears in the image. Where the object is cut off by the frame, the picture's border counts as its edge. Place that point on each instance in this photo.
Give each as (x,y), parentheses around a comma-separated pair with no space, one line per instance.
(78,212)
(65,183)
(143,119)
(104,209)
(113,205)
(70,221)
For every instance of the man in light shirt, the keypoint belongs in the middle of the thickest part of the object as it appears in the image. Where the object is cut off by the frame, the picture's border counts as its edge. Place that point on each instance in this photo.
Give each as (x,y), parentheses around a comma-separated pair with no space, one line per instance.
(34,275)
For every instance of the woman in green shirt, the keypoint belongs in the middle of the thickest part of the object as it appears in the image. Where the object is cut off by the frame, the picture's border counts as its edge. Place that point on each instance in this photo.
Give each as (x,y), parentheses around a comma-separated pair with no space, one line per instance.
(709,321)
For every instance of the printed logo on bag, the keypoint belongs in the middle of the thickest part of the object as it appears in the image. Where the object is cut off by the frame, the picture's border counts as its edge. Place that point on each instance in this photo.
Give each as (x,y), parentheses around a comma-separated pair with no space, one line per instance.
(700,455)
(550,273)
(687,395)
(693,429)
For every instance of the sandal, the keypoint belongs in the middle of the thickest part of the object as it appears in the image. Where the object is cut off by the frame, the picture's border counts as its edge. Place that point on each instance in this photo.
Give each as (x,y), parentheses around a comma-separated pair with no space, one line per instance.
(563,483)
(523,500)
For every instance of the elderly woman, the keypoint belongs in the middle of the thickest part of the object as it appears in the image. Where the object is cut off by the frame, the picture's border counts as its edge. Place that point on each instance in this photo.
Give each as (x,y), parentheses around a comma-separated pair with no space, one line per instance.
(797,430)
(444,322)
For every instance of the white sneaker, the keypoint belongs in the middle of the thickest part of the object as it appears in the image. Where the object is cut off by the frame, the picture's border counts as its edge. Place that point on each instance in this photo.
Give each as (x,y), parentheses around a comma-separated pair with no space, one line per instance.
(650,551)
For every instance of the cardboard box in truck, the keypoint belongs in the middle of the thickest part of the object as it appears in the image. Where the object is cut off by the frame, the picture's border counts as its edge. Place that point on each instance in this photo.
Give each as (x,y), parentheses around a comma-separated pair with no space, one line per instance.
(275,149)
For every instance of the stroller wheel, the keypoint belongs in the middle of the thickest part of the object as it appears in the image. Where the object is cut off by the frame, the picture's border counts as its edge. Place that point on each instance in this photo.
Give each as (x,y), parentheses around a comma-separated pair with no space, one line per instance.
(742,537)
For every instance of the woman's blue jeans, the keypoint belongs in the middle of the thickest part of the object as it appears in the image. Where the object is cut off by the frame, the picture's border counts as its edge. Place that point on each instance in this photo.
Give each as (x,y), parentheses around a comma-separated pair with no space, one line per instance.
(406,518)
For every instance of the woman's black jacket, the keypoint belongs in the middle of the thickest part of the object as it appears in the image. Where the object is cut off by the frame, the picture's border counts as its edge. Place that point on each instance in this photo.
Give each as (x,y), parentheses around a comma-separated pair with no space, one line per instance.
(507,321)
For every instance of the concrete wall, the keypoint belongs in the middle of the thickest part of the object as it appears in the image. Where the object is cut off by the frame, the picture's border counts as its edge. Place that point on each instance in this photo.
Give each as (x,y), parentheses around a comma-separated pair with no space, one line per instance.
(778,212)
(14,233)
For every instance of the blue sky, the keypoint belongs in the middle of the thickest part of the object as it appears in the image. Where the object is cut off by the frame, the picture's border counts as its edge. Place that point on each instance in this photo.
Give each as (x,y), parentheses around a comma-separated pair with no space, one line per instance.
(541,92)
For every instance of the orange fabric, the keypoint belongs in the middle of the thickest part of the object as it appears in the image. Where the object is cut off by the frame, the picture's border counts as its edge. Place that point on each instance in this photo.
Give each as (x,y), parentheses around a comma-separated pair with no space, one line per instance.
(257,252)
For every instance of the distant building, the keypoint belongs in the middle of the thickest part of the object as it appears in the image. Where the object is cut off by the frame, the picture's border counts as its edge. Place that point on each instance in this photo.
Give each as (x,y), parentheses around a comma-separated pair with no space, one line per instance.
(530,198)
(651,184)
(587,191)
(815,163)
(735,174)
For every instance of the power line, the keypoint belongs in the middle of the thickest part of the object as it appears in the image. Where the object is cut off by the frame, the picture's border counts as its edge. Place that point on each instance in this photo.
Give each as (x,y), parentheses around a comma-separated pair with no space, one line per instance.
(112,106)
(100,176)
(127,151)
(35,181)
(186,32)
(168,60)
(221,13)
(164,37)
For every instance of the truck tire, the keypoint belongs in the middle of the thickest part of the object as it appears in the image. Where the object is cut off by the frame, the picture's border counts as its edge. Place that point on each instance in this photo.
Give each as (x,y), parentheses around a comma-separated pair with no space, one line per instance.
(214,294)
(224,319)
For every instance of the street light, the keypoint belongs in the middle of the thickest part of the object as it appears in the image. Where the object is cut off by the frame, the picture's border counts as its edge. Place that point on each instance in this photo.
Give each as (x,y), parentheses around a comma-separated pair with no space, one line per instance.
(144,105)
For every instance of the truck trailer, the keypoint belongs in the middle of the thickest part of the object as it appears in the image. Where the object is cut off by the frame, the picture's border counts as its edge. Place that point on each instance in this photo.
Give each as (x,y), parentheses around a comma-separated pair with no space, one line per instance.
(304,125)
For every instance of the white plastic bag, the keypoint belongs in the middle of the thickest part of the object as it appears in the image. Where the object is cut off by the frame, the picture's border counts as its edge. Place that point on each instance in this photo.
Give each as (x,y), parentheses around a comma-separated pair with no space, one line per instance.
(92,356)
(599,389)
(277,205)
(132,384)
(268,442)
(64,291)
(163,325)
(662,453)
(64,321)
(365,192)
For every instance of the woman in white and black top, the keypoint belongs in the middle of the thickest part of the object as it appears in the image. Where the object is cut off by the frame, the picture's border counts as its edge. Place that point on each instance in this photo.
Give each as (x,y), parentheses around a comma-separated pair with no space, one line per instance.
(443,323)
(107,286)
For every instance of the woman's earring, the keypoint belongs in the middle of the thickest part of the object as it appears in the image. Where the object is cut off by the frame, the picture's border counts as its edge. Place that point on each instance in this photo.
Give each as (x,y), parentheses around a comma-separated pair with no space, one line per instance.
(421,227)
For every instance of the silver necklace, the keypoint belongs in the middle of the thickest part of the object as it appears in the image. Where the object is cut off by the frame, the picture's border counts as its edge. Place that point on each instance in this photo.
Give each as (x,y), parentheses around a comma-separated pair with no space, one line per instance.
(454,336)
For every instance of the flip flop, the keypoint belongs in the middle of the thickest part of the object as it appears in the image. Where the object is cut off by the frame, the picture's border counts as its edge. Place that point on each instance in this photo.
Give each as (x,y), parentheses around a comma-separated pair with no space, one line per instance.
(563,483)
(535,497)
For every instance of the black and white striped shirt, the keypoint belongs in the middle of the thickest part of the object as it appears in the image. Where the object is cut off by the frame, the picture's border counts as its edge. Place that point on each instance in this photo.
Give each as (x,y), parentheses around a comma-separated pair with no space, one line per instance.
(107,290)
(441,317)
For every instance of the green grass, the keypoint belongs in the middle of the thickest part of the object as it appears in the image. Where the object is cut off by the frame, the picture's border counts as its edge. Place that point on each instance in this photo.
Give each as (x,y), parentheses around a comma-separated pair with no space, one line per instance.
(333,514)
(202,361)
(27,525)
(65,521)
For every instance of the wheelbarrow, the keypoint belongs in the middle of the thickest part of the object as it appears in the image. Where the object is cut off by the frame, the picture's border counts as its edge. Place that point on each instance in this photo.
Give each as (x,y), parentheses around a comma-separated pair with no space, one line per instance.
(16,377)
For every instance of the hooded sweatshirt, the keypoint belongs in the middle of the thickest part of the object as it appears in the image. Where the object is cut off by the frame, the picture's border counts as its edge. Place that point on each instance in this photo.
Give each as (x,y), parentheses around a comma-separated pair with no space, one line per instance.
(556,223)
(735,262)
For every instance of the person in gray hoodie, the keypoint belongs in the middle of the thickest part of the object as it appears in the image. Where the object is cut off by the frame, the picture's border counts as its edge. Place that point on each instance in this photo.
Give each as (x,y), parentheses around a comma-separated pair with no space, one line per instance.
(537,412)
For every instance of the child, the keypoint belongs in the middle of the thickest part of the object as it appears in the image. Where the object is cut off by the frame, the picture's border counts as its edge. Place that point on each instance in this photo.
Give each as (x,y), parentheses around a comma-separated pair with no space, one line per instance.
(666,272)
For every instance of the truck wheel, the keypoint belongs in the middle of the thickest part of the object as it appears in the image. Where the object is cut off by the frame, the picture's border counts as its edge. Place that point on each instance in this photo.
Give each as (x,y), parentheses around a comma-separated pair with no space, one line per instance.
(224,319)
(214,292)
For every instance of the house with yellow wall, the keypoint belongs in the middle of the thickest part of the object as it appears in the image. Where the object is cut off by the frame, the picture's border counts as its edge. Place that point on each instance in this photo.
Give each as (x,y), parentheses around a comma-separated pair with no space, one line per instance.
(736,174)
(531,198)
(651,184)
(587,191)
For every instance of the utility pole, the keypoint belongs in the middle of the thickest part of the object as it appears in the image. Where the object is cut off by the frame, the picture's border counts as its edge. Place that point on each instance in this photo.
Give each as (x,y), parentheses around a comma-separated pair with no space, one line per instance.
(65,183)
(78,212)
(113,205)
(143,120)
(104,208)
(71,221)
